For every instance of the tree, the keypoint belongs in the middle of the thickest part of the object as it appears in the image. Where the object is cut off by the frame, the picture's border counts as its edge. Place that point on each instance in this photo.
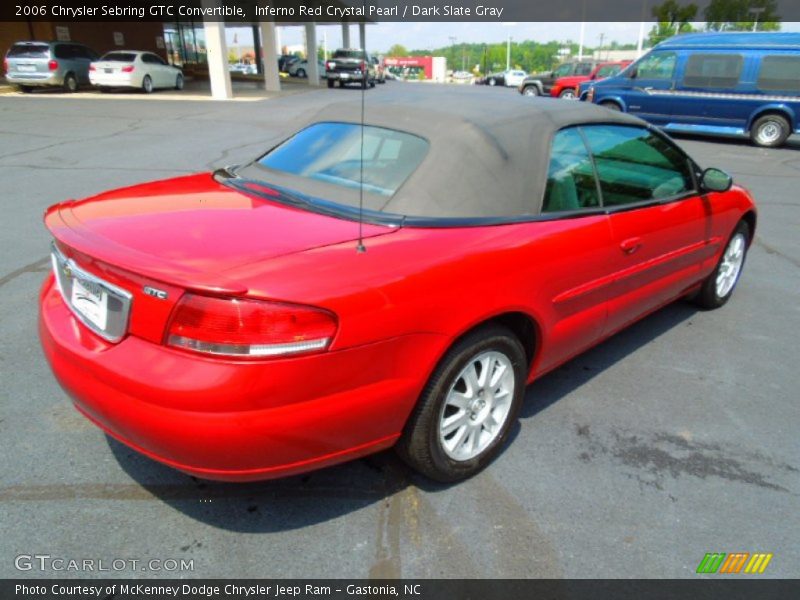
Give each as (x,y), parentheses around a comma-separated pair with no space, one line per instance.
(672,19)
(397,50)
(742,15)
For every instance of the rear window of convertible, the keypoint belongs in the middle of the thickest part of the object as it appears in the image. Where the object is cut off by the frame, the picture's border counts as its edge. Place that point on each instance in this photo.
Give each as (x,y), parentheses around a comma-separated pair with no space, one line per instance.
(332,153)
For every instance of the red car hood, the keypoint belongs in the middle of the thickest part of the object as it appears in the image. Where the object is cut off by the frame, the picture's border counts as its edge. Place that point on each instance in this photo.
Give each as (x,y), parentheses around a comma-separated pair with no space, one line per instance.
(189,231)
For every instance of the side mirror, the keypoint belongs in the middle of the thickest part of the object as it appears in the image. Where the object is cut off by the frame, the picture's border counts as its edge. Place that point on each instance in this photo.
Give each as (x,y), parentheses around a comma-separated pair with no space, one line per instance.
(633,73)
(715,180)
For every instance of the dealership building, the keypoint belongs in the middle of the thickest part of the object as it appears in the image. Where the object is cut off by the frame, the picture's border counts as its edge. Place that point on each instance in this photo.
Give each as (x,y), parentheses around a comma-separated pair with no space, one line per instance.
(197,46)
(434,68)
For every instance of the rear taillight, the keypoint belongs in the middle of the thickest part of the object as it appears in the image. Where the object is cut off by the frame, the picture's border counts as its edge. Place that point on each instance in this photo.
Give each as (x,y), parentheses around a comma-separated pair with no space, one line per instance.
(92,68)
(363,66)
(331,65)
(5,65)
(52,65)
(249,328)
(128,69)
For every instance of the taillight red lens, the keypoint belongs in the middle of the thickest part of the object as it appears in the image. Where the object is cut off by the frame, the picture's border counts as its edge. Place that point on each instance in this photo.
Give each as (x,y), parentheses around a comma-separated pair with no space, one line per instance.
(52,65)
(128,69)
(5,65)
(249,328)
(92,68)
(331,65)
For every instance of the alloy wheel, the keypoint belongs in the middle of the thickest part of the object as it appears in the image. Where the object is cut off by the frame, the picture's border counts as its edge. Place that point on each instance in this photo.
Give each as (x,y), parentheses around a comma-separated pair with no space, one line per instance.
(477,405)
(731,265)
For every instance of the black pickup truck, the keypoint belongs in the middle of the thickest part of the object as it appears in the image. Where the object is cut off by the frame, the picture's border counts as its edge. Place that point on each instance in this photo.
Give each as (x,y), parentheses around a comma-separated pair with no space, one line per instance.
(350,65)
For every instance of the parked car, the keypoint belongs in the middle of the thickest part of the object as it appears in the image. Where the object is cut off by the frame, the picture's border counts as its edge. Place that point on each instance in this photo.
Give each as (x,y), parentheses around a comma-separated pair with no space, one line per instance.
(351,65)
(285,61)
(134,69)
(380,69)
(48,64)
(243,68)
(299,68)
(568,87)
(511,78)
(715,83)
(543,82)
(308,308)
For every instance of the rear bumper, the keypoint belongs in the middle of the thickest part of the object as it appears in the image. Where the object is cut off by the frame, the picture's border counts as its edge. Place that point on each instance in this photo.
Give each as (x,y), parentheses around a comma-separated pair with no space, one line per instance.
(336,75)
(35,79)
(236,420)
(101,79)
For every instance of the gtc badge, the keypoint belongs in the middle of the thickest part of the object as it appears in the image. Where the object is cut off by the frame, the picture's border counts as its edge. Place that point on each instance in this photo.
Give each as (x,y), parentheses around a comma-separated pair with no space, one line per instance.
(155,293)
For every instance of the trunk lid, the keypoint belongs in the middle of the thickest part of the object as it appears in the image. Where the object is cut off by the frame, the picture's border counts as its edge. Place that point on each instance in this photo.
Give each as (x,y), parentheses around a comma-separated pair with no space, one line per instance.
(190,231)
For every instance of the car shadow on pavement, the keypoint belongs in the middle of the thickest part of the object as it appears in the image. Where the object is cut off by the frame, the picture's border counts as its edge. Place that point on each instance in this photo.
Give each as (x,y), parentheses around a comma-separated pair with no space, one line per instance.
(269,506)
(299,501)
(550,388)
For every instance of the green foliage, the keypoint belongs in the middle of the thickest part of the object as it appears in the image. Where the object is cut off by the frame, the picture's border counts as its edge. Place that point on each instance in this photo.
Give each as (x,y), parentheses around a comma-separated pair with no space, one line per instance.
(671,19)
(397,50)
(736,15)
(530,56)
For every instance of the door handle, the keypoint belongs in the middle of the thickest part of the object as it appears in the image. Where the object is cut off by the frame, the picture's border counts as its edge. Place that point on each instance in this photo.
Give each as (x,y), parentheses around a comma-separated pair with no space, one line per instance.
(630,245)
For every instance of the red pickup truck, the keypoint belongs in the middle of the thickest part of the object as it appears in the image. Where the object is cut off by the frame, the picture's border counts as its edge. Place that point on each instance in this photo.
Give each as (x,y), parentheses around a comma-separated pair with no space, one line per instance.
(567,87)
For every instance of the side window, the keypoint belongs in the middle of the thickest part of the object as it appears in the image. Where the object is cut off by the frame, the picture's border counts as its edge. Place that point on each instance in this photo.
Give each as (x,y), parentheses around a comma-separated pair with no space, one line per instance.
(713,70)
(563,70)
(583,69)
(147,58)
(570,178)
(658,65)
(779,73)
(635,165)
(63,51)
(158,60)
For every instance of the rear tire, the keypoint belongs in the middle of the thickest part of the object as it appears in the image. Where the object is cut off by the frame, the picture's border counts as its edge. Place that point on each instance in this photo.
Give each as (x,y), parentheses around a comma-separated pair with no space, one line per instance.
(330,83)
(770,131)
(530,90)
(25,89)
(301,73)
(492,81)
(70,83)
(718,287)
(567,94)
(147,85)
(466,411)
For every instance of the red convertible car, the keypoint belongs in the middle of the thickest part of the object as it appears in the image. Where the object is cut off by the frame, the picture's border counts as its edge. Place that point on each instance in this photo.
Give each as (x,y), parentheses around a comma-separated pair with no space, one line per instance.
(391,282)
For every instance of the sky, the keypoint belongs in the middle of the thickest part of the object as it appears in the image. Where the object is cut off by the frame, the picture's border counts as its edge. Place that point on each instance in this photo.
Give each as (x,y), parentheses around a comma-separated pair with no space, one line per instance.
(420,36)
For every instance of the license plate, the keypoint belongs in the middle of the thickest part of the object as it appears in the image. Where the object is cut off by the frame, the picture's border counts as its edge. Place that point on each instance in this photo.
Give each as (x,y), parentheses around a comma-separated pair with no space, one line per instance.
(344,76)
(108,70)
(26,68)
(91,301)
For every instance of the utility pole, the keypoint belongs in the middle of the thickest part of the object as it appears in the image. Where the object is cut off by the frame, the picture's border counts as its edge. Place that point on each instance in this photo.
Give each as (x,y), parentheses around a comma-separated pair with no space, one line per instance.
(600,50)
(508,54)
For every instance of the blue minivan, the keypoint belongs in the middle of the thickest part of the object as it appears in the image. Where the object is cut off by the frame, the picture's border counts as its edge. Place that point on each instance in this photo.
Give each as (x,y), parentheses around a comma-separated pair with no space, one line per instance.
(716,83)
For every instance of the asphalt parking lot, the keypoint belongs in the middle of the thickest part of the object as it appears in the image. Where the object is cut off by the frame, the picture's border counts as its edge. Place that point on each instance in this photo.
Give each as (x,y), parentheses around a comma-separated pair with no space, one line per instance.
(675,438)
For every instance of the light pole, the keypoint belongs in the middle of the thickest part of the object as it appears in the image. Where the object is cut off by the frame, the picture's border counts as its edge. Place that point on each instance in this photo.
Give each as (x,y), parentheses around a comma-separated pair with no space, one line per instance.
(757,11)
(508,53)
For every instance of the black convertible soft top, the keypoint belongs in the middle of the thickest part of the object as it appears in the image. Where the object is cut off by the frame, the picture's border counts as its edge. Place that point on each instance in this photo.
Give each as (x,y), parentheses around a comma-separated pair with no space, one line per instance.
(488,154)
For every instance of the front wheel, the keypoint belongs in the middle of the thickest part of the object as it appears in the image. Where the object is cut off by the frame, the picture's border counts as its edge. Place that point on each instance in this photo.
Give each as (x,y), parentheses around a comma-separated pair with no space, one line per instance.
(492,82)
(330,83)
(718,287)
(301,73)
(467,408)
(179,82)
(567,94)
(770,131)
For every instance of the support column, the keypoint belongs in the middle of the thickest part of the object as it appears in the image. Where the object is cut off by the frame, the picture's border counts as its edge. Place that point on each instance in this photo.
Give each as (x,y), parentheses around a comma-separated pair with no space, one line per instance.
(269,43)
(345,34)
(217,54)
(362,35)
(311,54)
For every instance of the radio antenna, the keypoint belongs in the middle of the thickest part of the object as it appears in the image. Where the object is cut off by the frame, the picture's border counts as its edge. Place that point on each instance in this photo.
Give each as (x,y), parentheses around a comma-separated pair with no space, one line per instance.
(360,248)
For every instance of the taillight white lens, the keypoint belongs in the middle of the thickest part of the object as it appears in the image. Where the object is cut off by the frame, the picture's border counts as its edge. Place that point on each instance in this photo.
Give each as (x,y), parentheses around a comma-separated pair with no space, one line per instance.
(247,328)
